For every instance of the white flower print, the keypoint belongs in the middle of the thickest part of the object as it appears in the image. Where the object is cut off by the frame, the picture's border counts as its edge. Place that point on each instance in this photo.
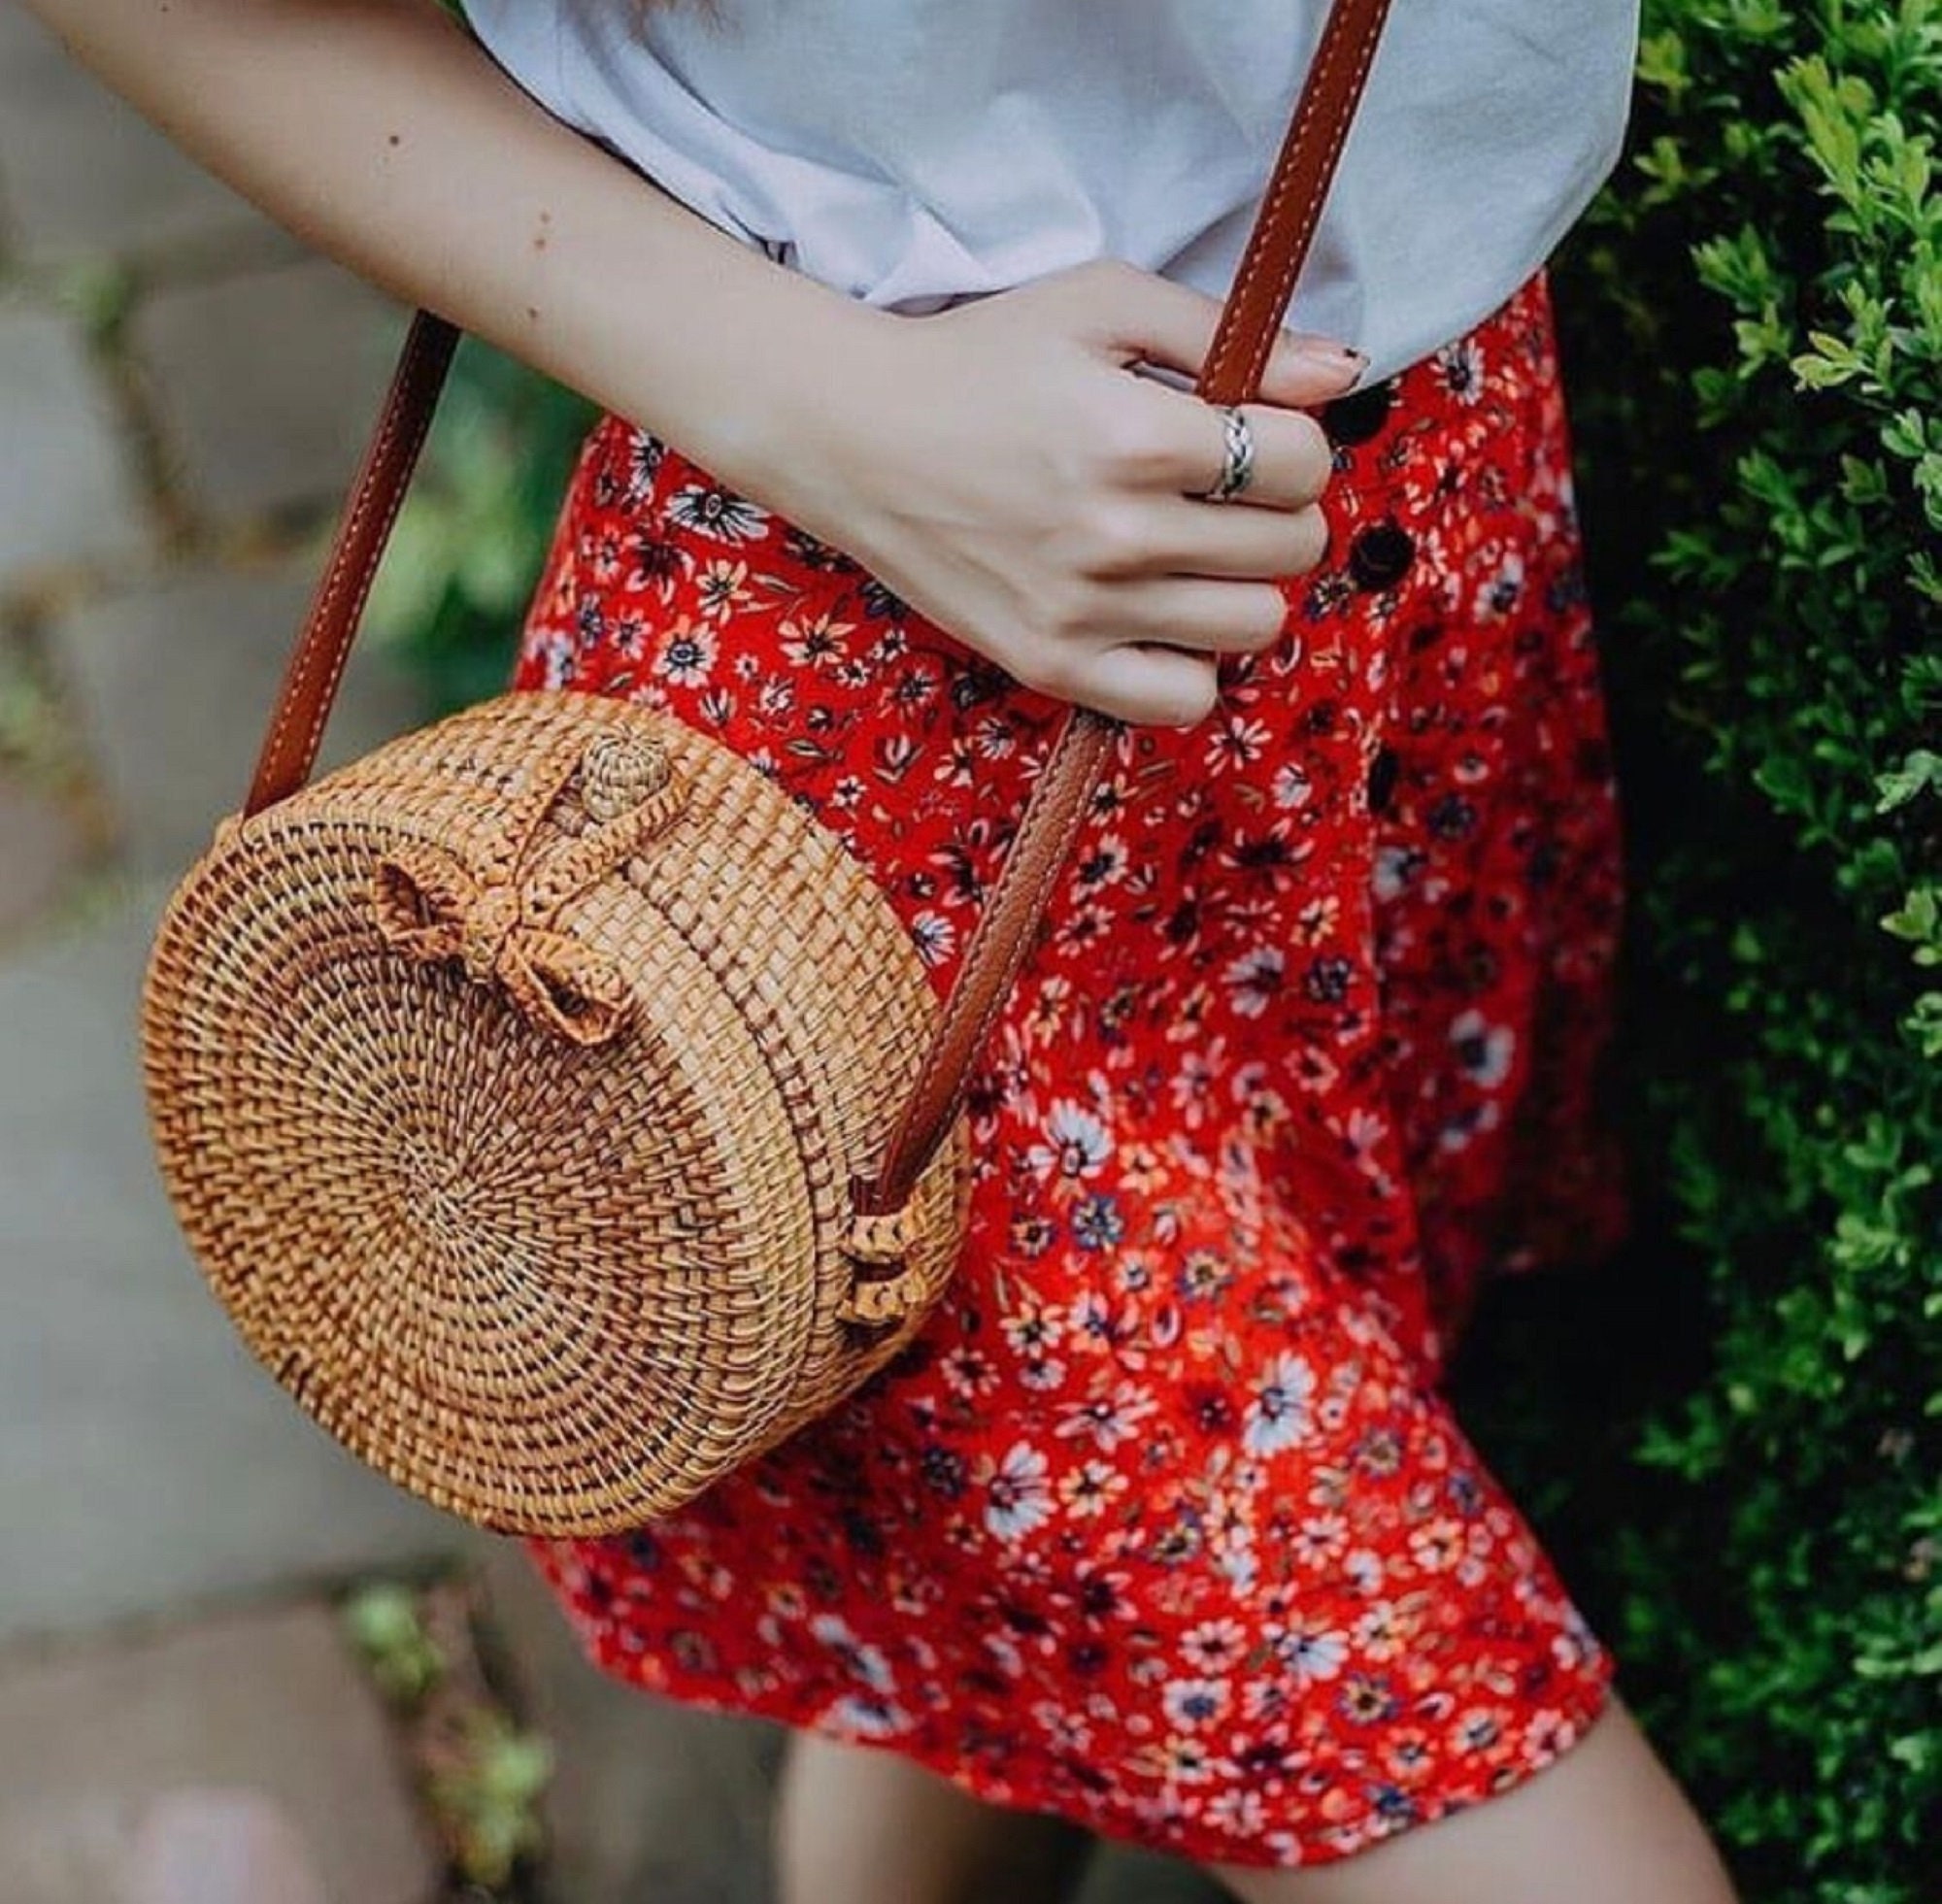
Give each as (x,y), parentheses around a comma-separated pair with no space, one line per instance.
(1191,1704)
(814,641)
(1378,1633)
(1185,1760)
(721,586)
(1546,1734)
(1104,863)
(1107,1421)
(869,1719)
(1319,1538)
(1318,919)
(686,652)
(1214,1644)
(1278,1417)
(1478,1730)
(1265,1698)
(1484,1050)
(1396,867)
(1094,1326)
(1436,1545)
(1505,589)
(1041,1373)
(1090,1489)
(1461,366)
(935,937)
(715,512)
(862,1663)
(1032,1328)
(1309,1655)
(552,651)
(1018,1496)
(1255,980)
(1458,1133)
(1237,1812)
(1196,1081)
(1236,742)
(1293,787)
(1079,1142)
(995,738)
(1065,1731)
(1238,1564)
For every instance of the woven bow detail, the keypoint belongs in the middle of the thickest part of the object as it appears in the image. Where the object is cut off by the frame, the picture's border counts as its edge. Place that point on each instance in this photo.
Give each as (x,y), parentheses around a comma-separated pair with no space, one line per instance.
(429,905)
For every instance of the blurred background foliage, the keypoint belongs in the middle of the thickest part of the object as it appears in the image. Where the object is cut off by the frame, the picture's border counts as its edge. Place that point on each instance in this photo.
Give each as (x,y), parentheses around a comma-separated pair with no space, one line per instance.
(1731,1433)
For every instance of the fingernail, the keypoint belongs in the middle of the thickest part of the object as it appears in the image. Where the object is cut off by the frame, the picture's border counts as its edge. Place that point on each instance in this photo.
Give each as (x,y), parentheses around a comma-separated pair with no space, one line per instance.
(1328,346)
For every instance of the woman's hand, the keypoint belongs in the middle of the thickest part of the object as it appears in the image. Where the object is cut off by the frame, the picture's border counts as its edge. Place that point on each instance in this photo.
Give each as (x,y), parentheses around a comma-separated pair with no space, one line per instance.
(998,466)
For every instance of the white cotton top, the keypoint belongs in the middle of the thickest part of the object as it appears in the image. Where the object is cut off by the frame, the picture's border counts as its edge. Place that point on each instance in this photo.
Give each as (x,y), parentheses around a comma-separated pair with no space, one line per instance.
(916,153)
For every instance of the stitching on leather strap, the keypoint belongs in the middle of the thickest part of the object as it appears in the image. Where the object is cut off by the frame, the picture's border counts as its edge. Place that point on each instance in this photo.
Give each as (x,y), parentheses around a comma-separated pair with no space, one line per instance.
(1364,53)
(1358,46)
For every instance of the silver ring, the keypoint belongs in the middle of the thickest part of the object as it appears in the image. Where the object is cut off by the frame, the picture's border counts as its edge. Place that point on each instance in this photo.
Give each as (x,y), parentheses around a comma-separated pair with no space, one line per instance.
(1237,466)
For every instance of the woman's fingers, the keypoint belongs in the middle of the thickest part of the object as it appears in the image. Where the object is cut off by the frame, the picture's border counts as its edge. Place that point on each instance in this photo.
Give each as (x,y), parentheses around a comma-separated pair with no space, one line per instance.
(1142,318)
(1218,617)
(1177,442)
(1158,687)
(1178,536)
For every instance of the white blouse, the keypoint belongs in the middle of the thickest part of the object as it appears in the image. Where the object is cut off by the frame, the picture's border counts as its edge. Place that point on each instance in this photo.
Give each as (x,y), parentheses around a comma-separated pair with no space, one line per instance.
(915,152)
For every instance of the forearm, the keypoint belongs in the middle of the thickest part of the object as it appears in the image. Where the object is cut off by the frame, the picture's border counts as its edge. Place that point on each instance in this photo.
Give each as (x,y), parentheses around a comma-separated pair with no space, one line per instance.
(382,135)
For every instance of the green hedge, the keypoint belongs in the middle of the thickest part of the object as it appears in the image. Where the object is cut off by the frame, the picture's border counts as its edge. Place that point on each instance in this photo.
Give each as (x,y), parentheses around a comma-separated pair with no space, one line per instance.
(1753,342)
(1731,1434)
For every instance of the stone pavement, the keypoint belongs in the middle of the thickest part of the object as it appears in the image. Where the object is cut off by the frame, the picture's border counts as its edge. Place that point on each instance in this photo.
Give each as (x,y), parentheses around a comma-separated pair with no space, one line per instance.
(183,391)
(98,1735)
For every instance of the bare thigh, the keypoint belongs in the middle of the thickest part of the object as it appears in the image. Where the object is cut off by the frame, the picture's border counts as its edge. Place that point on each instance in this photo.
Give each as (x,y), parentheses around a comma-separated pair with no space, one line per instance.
(1604,1824)
(857,1825)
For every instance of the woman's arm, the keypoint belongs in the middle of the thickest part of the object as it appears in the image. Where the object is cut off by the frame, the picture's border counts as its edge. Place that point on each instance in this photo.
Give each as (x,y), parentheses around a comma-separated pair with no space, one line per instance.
(379,132)
(994,463)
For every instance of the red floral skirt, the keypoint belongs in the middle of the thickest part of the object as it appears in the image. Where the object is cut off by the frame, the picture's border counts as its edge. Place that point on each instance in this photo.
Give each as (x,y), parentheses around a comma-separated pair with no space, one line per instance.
(1163,1524)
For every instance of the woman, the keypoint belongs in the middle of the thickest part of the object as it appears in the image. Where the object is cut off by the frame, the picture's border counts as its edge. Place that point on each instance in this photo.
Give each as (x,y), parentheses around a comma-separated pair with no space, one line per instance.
(1164,1530)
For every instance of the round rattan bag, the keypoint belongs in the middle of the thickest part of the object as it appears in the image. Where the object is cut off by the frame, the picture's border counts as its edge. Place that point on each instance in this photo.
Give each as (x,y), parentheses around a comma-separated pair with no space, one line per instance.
(509,1084)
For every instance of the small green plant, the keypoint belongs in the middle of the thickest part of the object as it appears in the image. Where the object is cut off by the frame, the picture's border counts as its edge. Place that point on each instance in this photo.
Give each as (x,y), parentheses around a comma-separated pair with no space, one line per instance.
(483,1777)
(383,1622)
(488,1797)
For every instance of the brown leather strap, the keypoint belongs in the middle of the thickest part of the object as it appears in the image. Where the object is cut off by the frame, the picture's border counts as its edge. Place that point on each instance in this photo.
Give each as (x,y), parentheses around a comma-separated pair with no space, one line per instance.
(1263,282)
(316,666)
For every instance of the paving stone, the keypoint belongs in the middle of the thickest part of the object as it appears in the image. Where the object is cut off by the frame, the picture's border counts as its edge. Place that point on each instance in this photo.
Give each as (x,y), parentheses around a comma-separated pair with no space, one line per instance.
(267,382)
(270,1702)
(67,494)
(42,846)
(173,685)
(146,1461)
(81,172)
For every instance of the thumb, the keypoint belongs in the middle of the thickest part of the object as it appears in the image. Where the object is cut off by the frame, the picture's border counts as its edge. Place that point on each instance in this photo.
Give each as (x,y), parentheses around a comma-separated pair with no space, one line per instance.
(1155,320)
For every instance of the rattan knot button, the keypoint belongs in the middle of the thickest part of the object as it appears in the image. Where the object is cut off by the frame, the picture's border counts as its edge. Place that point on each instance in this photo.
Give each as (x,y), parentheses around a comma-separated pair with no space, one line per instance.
(623,771)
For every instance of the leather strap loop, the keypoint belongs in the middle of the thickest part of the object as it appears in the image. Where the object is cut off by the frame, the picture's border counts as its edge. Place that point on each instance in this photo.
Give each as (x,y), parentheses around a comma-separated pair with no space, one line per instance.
(1264,282)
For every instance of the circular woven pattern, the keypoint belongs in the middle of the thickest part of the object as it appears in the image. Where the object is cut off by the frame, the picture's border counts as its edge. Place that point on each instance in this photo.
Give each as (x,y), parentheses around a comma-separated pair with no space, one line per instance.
(509,1083)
